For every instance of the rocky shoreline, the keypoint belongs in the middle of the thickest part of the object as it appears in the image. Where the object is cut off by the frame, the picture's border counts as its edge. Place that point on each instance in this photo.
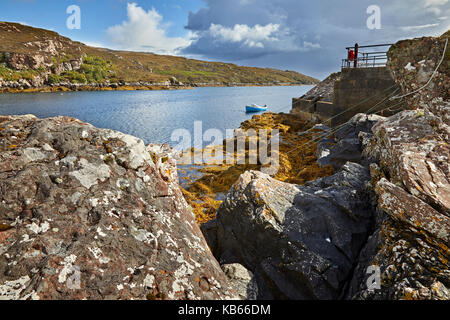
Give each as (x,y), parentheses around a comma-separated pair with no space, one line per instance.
(324,239)
(88,213)
(376,229)
(23,86)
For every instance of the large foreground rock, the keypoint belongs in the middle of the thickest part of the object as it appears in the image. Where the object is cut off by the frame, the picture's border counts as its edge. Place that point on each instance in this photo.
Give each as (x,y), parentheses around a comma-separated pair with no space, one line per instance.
(301,242)
(89,213)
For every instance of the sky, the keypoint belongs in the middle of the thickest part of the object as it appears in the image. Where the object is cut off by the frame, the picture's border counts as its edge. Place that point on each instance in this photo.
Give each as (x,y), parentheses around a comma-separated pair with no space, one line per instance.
(306,36)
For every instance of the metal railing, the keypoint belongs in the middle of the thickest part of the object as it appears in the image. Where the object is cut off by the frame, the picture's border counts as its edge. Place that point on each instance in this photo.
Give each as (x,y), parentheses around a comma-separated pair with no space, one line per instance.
(366,56)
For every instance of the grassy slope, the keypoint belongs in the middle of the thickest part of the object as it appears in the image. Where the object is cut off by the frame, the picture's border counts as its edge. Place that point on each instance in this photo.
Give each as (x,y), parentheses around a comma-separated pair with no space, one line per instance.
(135,66)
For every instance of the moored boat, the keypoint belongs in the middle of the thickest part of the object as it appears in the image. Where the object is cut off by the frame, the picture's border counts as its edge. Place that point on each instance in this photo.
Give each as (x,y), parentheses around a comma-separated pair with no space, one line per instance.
(255,108)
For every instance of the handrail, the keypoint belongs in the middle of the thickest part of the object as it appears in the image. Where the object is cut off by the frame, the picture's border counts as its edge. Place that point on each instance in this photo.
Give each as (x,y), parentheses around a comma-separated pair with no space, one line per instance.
(372,46)
(365,59)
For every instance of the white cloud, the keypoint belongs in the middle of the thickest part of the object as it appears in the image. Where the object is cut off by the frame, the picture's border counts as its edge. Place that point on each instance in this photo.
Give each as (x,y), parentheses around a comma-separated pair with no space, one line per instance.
(430,3)
(93,44)
(243,41)
(145,31)
(425,26)
(312,35)
(433,5)
(307,44)
(252,37)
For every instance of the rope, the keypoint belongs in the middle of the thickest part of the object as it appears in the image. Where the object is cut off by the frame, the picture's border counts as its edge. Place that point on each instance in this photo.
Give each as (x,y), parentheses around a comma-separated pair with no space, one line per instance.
(336,129)
(401,102)
(348,122)
(351,108)
(429,81)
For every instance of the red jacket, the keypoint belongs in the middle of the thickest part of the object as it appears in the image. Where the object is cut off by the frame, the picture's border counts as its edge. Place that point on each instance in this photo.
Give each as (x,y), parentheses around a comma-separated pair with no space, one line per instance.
(351,55)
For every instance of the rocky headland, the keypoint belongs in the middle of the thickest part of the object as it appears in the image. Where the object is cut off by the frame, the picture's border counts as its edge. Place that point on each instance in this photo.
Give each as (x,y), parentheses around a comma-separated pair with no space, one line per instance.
(39,60)
(358,213)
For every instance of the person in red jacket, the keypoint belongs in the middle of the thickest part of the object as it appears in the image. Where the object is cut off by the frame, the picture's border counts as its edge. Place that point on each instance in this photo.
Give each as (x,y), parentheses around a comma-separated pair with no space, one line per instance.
(351,57)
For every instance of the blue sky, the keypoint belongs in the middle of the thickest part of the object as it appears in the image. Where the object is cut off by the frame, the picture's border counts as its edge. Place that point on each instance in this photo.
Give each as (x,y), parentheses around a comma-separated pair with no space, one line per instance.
(306,36)
(97,15)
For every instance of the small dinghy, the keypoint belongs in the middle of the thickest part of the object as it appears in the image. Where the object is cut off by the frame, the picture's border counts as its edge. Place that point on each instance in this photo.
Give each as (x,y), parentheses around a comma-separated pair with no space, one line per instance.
(255,108)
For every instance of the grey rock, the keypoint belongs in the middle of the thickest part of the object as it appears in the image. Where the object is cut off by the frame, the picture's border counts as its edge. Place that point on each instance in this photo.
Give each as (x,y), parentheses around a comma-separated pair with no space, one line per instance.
(423,54)
(301,242)
(243,280)
(360,122)
(411,179)
(341,152)
(95,214)
(347,145)
(209,230)
(324,91)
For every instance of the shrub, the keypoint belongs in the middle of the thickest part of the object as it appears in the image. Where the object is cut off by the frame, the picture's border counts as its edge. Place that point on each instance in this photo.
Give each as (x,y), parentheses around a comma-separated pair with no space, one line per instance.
(13,75)
(95,61)
(2,58)
(95,69)
(53,78)
(74,77)
(27,75)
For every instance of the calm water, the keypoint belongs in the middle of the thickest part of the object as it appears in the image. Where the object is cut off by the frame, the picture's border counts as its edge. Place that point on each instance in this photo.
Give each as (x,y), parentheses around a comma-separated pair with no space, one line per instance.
(154,115)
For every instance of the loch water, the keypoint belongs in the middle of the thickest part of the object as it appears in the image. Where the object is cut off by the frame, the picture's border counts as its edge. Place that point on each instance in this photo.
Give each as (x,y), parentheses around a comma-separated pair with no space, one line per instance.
(154,115)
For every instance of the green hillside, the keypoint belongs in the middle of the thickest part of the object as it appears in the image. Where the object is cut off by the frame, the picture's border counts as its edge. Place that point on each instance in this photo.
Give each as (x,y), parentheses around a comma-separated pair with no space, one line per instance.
(26,52)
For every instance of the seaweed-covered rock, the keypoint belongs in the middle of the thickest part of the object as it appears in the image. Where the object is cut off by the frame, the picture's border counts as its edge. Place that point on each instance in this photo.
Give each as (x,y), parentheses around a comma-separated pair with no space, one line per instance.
(301,242)
(89,213)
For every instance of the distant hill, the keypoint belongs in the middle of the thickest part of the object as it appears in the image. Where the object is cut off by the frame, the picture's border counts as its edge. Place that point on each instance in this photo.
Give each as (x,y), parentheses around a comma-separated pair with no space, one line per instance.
(44,57)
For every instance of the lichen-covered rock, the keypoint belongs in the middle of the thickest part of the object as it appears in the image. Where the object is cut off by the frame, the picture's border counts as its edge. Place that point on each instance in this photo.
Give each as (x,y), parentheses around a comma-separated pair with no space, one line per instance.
(301,242)
(411,211)
(243,280)
(411,177)
(412,63)
(412,148)
(89,213)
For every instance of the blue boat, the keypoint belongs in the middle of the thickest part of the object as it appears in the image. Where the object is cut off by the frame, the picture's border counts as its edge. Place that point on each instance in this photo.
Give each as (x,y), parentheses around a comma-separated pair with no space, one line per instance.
(255,108)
